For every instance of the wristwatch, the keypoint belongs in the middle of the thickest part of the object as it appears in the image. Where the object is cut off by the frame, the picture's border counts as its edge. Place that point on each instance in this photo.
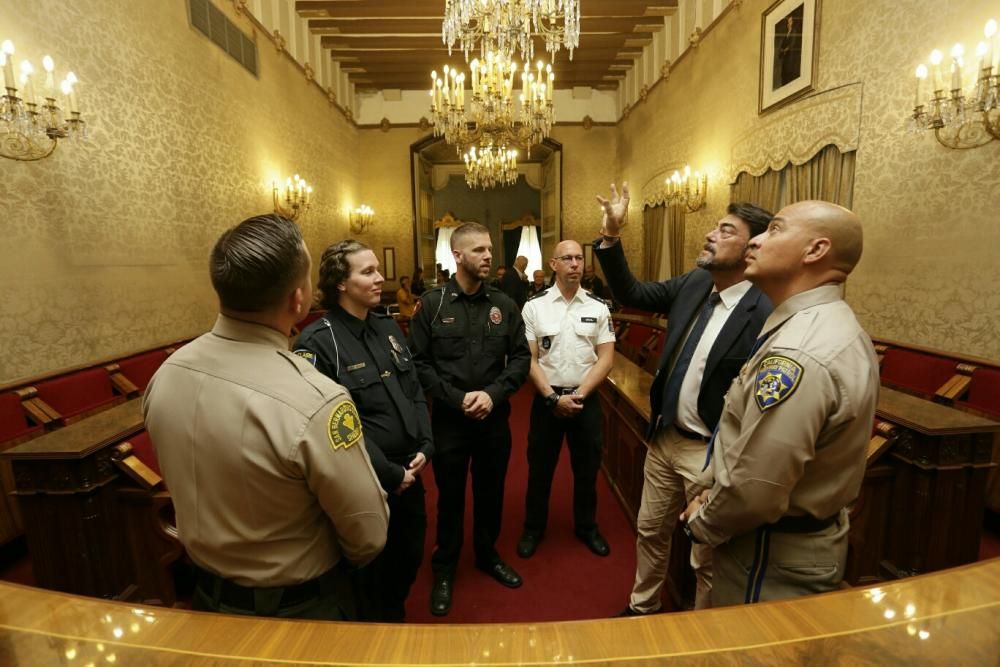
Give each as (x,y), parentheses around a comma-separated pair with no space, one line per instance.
(551,400)
(690,534)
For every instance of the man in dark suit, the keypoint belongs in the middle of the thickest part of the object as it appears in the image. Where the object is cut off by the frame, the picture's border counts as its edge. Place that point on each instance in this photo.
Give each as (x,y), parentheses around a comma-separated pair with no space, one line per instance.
(713,317)
(515,283)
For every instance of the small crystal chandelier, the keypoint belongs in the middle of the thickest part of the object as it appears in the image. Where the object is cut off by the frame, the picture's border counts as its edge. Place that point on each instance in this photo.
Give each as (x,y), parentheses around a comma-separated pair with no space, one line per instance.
(30,129)
(492,110)
(683,189)
(503,26)
(961,117)
(490,166)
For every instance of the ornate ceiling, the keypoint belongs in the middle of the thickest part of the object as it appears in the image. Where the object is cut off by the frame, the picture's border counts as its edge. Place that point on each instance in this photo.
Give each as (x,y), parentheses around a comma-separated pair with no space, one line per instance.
(396,43)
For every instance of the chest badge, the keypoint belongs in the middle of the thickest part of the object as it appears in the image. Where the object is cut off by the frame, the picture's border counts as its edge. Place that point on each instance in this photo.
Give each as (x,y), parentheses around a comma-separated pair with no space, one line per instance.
(496,317)
(546,342)
(777,379)
(395,344)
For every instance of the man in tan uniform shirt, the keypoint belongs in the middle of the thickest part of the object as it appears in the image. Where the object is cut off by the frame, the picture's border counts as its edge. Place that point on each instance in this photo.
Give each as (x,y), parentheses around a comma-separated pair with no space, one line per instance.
(789,453)
(264,456)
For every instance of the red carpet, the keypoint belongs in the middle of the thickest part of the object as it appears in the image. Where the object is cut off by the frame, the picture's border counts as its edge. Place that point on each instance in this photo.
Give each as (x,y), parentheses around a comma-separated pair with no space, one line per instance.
(563,580)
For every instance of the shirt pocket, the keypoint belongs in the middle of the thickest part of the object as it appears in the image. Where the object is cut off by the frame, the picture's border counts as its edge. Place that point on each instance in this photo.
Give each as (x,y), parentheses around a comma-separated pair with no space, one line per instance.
(447,342)
(495,342)
(586,334)
(360,379)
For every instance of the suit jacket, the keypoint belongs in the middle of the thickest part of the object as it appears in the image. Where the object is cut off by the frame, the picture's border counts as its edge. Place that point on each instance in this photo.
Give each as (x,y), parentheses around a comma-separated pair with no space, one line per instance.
(514,287)
(681,298)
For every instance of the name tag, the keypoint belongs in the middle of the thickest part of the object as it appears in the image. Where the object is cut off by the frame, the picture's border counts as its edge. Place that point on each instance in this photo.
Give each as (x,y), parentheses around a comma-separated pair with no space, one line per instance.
(447,320)
(591,320)
(356,367)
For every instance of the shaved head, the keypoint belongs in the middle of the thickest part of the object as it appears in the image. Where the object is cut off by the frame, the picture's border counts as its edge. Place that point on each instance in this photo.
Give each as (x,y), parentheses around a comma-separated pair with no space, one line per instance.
(840,225)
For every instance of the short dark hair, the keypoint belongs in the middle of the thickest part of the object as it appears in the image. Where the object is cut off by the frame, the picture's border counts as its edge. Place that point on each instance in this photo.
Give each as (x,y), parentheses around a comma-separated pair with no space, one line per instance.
(256,264)
(466,229)
(335,269)
(755,217)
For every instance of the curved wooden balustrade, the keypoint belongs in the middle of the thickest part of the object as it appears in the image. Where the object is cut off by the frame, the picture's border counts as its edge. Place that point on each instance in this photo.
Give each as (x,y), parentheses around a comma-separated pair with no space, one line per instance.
(949,617)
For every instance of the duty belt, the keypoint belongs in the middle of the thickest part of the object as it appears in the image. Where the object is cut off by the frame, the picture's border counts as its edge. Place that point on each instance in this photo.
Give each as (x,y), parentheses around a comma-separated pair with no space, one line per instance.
(236,595)
(803,524)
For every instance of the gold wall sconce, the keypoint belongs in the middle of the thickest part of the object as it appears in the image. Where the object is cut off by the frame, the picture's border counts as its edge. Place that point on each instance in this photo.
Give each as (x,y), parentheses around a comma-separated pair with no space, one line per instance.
(361,218)
(293,200)
(683,189)
(35,113)
(963,111)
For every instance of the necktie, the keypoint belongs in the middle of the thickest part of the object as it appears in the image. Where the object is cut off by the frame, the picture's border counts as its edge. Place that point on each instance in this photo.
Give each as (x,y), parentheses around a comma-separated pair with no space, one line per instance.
(711,441)
(676,379)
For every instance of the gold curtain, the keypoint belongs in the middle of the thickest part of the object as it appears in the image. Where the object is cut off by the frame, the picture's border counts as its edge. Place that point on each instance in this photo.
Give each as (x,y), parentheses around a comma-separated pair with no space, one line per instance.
(653,220)
(828,175)
(763,190)
(675,224)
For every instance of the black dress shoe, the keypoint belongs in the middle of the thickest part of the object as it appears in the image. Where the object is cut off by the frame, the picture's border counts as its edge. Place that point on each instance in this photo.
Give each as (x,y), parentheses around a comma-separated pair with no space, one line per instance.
(441,595)
(503,573)
(528,544)
(595,542)
(628,611)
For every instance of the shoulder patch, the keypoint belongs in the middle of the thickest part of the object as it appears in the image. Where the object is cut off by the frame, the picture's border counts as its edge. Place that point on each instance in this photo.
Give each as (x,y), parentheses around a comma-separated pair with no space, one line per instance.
(344,426)
(777,378)
(538,294)
(307,355)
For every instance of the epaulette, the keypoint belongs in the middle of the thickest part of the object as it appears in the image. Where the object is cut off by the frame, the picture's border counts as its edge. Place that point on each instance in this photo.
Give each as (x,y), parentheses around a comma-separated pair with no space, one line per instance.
(382,315)
(594,296)
(538,294)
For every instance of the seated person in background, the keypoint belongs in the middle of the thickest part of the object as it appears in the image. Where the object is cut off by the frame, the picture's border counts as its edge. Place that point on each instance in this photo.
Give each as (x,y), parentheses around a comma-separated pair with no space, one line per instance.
(537,283)
(405,298)
(789,453)
(417,287)
(272,486)
(367,354)
(572,344)
(591,282)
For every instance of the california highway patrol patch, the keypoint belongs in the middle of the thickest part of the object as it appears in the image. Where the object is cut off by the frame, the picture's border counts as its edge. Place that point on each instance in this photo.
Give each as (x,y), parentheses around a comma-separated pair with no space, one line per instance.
(345,426)
(777,379)
(307,355)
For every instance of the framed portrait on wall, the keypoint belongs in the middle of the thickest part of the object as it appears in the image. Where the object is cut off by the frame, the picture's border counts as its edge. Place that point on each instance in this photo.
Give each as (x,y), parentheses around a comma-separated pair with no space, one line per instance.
(389,263)
(788,50)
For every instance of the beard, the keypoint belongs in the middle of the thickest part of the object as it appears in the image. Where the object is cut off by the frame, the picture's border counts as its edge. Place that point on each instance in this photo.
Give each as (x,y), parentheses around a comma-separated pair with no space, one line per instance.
(475,269)
(707,260)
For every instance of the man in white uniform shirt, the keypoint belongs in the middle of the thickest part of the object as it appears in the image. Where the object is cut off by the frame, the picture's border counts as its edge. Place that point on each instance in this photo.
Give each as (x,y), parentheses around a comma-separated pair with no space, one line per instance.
(572,345)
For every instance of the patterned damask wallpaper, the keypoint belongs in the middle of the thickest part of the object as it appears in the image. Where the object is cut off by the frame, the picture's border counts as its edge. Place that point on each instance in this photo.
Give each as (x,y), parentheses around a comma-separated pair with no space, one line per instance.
(929,271)
(105,244)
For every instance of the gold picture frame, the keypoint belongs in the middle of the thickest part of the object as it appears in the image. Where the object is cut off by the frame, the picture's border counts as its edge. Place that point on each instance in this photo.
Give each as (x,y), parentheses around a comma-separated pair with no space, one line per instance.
(789,41)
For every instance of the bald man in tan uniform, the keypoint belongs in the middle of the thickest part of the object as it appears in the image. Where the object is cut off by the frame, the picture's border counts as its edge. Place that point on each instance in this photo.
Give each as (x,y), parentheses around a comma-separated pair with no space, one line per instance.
(789,453)
(264,456)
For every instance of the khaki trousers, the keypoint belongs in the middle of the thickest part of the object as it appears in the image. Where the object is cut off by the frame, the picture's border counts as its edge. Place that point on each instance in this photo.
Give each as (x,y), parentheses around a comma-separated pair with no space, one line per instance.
(768,565)
(673,467)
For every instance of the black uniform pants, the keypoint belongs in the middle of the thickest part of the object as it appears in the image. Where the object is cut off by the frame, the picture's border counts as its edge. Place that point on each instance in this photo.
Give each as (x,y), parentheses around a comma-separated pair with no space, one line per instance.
(545,438)
(484,447)
(383,585)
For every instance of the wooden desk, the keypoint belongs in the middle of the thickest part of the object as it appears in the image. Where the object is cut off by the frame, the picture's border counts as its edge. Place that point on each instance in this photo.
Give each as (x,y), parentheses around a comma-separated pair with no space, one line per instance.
(64,482)
(942,458)
(943,618)
(655,322)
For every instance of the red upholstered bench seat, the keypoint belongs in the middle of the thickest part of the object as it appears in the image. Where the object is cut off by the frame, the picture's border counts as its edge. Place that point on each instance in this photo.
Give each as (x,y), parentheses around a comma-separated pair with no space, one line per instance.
(14,422)
(140,368)
(80,392)
(144,449)
(984,391)
(916,371)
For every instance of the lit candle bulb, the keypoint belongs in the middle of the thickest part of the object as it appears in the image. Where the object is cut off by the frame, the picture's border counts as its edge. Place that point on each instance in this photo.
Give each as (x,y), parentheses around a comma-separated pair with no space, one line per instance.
(936,58)
(50,81)
(28,90)
(74,99)
(8,64)
(990,32)
(957,52)
(921,75)
(67,90)
(982,50)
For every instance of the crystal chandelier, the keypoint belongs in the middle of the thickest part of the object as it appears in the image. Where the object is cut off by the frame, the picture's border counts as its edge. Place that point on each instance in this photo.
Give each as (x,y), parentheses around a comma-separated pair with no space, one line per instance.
(493,114)
(30,129)
(490,166)
(961,117)
(684,190)
(503,26)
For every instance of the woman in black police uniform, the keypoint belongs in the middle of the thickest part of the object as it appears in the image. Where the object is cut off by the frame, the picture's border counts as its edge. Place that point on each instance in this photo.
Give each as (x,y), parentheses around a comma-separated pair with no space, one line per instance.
(367,353)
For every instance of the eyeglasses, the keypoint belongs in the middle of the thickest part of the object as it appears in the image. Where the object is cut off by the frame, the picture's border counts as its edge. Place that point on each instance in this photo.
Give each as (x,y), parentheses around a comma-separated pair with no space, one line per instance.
(570,258)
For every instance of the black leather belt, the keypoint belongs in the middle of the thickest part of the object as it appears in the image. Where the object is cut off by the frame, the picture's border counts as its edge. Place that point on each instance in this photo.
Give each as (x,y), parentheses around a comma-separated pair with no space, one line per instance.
(236,595)
(803,524)
(564,391)
(690,435)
